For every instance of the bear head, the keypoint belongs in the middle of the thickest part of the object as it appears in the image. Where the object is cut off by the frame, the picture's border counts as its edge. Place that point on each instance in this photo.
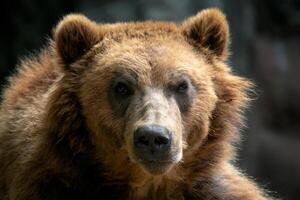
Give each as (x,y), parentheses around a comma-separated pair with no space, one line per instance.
(155,96)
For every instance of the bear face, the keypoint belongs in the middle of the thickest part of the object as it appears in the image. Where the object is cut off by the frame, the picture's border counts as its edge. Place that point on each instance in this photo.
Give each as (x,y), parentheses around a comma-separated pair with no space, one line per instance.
(146,89)
(140,84)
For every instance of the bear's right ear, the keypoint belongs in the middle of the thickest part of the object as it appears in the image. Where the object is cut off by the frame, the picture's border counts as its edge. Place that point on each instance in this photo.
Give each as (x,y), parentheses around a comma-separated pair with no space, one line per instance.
(74,36)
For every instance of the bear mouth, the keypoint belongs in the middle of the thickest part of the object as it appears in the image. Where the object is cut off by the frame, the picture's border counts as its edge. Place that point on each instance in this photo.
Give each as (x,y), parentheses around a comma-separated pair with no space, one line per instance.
(156,167)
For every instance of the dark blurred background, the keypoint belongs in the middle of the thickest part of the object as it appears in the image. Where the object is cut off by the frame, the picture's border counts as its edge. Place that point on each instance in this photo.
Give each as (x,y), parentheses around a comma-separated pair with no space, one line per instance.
(265,45)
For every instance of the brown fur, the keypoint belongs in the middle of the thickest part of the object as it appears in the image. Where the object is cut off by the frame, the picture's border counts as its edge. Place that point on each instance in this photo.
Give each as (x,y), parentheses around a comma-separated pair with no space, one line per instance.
(61,139)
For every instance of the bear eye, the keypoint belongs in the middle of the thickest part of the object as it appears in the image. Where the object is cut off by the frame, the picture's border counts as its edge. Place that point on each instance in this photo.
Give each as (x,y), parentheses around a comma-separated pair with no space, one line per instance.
(122,89)
(182,87)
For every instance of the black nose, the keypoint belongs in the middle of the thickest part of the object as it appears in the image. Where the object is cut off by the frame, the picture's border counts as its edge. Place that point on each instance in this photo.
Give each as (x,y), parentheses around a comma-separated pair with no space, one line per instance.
(152,142)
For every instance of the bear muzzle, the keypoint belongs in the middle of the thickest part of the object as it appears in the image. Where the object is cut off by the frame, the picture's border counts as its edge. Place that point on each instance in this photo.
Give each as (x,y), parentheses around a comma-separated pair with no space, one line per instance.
(153,148)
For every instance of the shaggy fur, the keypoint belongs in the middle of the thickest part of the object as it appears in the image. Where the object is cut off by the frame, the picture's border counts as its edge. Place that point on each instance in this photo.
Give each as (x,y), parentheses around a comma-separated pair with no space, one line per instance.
(62,137)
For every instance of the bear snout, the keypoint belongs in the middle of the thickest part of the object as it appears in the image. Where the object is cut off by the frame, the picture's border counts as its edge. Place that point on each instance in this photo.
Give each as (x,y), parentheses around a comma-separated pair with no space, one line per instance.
(152,142)
(153,146)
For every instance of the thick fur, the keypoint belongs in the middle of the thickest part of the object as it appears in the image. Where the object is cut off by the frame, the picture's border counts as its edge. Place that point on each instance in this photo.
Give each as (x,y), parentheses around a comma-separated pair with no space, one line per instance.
(59,138)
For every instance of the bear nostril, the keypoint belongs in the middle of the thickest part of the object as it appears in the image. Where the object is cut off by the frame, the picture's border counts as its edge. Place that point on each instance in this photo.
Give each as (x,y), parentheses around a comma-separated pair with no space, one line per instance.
(143,141)
(161,141)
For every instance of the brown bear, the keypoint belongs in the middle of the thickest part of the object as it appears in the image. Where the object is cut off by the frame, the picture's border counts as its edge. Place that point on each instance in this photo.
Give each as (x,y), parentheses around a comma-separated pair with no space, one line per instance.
(142,110)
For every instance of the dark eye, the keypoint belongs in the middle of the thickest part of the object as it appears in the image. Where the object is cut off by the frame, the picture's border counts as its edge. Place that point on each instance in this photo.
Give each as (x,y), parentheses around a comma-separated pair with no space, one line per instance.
(122,89)
(182,87)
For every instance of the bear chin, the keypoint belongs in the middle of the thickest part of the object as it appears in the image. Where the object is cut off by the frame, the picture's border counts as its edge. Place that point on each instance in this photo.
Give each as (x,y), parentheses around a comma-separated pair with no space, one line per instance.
(156,168)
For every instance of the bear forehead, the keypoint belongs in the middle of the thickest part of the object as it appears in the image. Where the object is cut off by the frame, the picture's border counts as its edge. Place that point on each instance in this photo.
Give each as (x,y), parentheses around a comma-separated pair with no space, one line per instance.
(139,30)
(136,52)
(145,44)
(155,60)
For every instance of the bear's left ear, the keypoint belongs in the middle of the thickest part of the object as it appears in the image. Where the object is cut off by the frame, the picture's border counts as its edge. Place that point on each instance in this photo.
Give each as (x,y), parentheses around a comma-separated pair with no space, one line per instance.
(74,36)
(208,29)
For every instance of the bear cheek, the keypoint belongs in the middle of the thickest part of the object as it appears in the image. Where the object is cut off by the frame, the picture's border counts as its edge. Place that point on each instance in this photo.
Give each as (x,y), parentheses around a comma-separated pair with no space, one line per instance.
(196,121)
(100,117)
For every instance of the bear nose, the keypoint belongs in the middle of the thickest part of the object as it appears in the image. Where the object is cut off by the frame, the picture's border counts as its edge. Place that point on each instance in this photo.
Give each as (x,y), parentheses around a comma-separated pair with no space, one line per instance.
(152,141)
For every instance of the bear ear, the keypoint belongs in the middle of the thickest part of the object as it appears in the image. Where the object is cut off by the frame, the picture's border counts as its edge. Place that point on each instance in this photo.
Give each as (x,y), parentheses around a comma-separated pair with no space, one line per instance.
(74,36)
(208,29)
